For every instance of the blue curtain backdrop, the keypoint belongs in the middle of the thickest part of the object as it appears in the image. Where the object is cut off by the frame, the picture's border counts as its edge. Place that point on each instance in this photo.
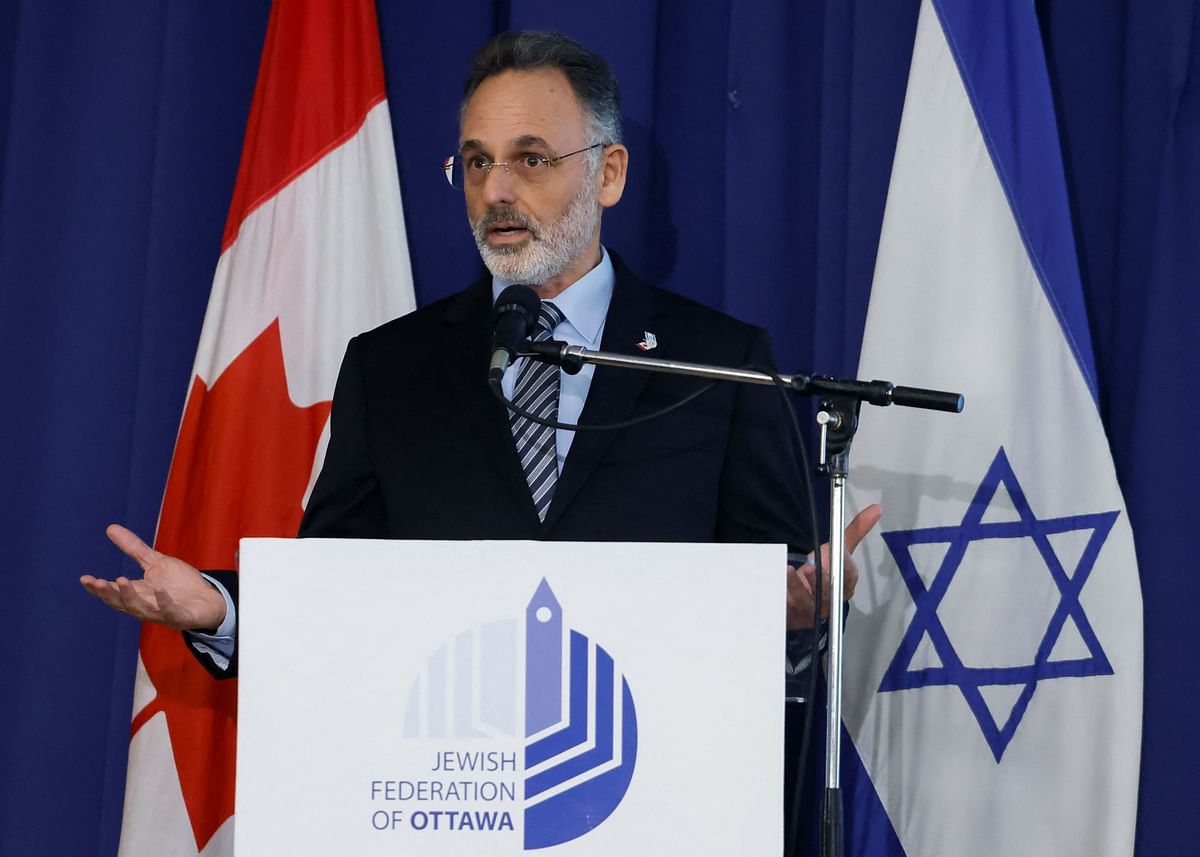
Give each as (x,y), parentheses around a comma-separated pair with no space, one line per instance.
(761,136)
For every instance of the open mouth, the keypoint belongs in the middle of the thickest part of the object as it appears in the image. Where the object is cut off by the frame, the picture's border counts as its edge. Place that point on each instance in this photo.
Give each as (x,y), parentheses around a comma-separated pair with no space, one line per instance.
(507,232)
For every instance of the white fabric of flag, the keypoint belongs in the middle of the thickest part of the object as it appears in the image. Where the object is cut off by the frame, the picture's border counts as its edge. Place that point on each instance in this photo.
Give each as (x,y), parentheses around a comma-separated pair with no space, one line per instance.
(315,252)
(993,669)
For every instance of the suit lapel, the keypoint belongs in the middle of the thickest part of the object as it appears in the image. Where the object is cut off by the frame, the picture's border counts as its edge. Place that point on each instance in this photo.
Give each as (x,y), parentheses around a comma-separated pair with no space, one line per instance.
(613,392)
(468,321)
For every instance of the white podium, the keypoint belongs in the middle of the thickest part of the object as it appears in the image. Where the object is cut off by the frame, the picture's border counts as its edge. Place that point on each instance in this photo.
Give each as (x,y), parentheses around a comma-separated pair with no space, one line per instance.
(441,699)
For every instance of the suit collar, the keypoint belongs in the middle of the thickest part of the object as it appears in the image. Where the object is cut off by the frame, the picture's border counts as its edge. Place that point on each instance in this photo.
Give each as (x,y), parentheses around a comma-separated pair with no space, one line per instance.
(467,319)
(613,392)
(473,306)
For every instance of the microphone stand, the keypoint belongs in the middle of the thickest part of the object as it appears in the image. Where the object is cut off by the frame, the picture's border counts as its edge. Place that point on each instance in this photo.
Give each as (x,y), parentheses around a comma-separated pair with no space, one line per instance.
(838,420)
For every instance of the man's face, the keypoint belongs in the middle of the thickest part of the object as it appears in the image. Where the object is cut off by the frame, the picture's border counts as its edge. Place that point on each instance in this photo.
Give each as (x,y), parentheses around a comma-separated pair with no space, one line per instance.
(532,231)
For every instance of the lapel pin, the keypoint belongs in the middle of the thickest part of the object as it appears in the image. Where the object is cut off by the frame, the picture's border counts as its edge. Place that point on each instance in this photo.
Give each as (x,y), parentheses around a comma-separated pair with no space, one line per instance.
(649,342)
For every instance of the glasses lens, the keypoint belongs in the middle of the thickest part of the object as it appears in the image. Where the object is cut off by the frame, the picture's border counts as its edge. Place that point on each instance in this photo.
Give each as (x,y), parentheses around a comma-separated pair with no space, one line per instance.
(452,167)
(530,168)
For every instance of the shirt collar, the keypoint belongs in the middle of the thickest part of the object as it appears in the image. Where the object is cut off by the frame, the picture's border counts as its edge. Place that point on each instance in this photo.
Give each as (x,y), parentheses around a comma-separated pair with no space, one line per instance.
(585,302)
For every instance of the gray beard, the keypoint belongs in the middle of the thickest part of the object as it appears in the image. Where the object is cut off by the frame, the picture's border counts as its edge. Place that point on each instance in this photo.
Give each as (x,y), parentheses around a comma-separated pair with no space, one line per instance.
(550,248)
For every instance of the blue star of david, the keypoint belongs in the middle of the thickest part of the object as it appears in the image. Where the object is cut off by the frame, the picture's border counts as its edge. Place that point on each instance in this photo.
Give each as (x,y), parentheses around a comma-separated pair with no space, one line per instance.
(969,679)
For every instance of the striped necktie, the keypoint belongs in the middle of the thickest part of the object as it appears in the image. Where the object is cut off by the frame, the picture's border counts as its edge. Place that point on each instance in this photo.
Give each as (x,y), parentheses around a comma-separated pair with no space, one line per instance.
(536,391)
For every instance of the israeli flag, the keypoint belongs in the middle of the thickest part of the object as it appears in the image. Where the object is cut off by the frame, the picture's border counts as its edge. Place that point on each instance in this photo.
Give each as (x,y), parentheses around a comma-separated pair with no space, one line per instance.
(993,668)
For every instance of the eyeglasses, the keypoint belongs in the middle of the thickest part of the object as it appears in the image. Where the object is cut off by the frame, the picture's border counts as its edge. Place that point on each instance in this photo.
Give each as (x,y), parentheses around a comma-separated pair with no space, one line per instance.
(473,170)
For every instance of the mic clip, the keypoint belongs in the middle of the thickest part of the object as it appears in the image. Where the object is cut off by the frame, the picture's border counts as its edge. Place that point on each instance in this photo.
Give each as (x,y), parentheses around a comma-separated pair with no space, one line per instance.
(554,351)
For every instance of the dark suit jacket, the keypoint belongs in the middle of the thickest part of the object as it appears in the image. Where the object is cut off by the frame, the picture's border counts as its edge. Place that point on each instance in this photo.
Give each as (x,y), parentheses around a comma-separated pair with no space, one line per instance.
(420,449)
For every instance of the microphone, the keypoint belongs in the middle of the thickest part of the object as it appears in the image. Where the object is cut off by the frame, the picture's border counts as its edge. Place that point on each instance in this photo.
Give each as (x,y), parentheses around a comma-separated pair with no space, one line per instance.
(513,320)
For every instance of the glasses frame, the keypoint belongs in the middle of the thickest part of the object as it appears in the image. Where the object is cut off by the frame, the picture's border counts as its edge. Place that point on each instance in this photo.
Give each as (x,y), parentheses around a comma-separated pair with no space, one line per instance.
(448,164)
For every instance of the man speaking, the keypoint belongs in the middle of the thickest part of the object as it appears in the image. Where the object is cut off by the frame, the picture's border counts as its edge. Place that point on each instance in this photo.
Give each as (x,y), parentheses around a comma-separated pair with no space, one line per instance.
(420,448)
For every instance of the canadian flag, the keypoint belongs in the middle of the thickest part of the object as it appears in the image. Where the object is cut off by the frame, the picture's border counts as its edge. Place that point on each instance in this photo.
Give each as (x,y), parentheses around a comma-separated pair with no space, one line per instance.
(314,252)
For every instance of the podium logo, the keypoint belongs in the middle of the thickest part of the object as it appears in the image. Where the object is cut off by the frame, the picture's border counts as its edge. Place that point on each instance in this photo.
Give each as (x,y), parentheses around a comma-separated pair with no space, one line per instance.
(579,736)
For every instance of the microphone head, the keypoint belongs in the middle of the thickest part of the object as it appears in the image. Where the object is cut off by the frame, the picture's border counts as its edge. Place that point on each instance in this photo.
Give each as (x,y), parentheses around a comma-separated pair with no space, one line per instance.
(513,321)
(522,300)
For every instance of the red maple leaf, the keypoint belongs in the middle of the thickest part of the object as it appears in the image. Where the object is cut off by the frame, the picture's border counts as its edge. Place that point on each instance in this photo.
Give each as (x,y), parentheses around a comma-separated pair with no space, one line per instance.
(242,463)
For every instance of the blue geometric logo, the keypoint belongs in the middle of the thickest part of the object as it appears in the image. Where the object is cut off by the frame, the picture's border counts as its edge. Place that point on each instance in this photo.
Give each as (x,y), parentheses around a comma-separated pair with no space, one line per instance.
(580,731)
(970,679)
(579,757)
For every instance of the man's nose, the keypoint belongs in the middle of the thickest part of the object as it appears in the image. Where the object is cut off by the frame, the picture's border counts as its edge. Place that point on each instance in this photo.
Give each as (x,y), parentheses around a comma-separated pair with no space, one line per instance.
(499,186)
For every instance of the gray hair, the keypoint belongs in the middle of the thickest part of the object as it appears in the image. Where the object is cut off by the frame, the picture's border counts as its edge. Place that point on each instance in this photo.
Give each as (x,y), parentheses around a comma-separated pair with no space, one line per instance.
(589,75)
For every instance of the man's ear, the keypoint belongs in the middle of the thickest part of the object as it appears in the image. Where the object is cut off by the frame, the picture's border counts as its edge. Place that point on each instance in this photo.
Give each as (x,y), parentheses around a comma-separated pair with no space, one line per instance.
(612,174)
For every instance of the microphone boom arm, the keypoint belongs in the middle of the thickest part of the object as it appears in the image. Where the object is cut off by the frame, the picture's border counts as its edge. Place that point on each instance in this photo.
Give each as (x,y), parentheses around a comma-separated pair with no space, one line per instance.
(572,358)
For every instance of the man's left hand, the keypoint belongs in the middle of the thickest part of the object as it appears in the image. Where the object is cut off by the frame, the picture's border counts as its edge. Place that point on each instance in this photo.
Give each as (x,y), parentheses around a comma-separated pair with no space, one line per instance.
(801,583)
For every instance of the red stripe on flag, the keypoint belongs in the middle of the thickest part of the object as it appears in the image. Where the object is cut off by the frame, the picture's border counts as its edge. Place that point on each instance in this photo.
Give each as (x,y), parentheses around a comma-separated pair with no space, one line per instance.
(308,100)
(242,463)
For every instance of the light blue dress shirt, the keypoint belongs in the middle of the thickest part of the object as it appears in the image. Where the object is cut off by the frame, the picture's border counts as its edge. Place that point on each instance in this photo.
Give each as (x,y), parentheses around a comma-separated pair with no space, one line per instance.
(584,305)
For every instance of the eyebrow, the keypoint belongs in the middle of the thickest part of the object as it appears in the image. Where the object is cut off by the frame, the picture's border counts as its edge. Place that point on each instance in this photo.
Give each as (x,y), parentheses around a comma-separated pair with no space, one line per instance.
(531,140)
(523,141)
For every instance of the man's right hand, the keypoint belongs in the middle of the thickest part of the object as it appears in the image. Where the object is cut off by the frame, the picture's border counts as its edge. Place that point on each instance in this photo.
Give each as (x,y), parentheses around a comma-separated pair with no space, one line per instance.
(170,593)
